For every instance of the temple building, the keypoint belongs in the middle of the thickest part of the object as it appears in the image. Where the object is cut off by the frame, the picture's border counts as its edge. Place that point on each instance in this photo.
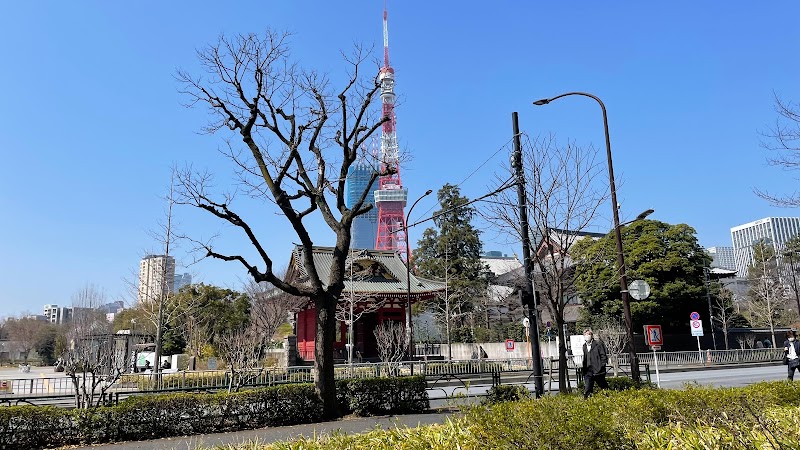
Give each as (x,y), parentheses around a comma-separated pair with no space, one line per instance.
(376,288)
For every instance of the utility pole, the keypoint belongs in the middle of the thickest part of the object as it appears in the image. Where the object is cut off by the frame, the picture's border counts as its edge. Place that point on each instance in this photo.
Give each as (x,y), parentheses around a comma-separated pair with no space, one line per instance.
(528,299)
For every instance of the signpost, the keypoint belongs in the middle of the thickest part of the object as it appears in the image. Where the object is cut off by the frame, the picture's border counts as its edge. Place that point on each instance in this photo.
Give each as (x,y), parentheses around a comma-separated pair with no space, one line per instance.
(655,339)
(696,326)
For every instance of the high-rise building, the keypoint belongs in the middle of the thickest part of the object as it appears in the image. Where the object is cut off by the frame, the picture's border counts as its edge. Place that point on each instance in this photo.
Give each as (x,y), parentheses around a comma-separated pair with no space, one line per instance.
(722,257)
(365,226)
(156,277)
(57,314)
(773,230)
(182,280)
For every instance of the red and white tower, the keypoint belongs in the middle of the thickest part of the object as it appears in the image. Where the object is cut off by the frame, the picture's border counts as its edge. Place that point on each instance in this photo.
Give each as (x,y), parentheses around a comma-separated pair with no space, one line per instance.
(391,196)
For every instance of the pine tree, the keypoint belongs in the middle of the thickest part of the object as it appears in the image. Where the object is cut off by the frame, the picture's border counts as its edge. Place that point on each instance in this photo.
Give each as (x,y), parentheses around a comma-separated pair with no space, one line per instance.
(452,252)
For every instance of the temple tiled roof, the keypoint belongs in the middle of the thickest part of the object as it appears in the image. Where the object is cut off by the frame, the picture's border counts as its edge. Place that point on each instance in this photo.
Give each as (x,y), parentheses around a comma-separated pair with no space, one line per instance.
(379,272)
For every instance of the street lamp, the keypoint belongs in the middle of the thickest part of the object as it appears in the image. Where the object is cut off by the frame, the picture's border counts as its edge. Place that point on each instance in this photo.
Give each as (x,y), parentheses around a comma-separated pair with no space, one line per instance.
(623,281)
(409,331)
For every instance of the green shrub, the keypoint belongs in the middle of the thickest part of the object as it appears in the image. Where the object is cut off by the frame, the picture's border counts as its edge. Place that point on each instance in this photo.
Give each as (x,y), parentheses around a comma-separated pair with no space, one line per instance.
(620,384)
(36,427)
(376,396)
(506,393)
(151,416)
(758,416)
(625,383)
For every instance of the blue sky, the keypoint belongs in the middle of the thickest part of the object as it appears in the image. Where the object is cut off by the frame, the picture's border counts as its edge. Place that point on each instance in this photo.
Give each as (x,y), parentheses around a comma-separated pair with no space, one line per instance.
(91,119)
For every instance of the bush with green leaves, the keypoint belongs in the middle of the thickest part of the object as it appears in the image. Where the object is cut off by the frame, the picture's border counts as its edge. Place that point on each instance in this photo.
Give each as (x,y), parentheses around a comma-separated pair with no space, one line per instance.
(620,384)
(506,393)
(154,416)
(377,396)
(764,415)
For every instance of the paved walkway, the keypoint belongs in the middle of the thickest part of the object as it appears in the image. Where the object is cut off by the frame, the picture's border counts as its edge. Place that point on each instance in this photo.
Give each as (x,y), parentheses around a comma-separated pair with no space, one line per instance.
(273,434)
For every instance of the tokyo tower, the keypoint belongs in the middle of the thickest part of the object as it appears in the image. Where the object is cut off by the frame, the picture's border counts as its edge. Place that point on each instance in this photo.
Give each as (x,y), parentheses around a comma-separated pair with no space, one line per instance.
(391,196)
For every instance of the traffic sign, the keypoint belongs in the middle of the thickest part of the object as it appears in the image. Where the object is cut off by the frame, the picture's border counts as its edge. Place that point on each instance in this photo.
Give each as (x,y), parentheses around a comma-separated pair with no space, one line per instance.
(653,335)
(694,316)
(697,327)
(526,322)
(655,348)
(639,289)
(510,345)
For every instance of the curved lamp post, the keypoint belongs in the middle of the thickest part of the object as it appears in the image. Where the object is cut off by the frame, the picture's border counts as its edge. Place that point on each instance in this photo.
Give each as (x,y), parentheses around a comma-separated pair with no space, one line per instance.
(409,330)
(623,281)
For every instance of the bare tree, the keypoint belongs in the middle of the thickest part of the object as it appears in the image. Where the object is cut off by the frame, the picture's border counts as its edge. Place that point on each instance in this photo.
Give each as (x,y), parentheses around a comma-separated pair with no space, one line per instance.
(784,140)
(195,332)
(23,334)
(741,340)
(269,308)
(92,360)
(750,340)
(300,136)
(244,350)
(392,341)
(353,305)
(612,332)
(766,302)
(723,311)
(449,309)
(563,198)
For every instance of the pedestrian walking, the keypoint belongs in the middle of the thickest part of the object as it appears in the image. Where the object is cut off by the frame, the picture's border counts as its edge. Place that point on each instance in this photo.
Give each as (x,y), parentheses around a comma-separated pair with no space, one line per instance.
(791,353)
(595,359)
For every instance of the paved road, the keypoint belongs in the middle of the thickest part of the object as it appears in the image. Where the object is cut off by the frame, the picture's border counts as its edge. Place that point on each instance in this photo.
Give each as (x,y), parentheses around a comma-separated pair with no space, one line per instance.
(674,380)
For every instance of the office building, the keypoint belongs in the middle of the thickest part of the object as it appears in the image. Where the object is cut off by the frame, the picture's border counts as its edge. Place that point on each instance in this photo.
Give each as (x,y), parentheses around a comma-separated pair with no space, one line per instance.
(773,230)
(182,280)
(365,226)
(722,257)
(57,314)
(156,277)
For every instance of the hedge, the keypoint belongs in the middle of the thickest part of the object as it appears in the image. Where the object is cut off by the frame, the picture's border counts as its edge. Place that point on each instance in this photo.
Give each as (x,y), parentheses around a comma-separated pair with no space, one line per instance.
(155,416)
(764,415)
(375,396)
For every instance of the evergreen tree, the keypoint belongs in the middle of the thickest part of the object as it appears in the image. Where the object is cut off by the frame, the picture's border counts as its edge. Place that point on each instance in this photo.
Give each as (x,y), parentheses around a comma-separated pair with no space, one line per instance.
(790,261)
(668,257)
(452,252)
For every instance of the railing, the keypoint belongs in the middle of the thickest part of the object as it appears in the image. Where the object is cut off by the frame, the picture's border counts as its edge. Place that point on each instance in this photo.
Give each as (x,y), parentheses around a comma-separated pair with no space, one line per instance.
(708,357)
(428,349)
(217,379)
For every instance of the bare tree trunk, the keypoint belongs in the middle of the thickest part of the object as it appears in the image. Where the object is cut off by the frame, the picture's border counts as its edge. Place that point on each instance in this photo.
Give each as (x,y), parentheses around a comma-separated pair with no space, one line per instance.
(563,371)
(323,348)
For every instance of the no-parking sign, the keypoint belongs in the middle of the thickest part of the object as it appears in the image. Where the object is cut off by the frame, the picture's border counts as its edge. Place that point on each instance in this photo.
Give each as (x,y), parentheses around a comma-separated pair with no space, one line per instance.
(697,327)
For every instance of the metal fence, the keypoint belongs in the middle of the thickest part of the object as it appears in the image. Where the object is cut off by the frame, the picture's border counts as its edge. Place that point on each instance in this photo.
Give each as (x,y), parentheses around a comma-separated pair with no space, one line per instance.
(210,380)
(708,357)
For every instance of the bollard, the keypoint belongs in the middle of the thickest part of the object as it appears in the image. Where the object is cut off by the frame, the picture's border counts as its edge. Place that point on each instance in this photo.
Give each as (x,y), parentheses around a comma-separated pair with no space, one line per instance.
(495,378)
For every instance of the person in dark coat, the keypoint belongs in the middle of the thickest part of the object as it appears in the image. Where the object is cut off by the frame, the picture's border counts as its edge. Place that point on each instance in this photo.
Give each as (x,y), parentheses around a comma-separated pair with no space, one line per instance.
(791,352)
(595,359)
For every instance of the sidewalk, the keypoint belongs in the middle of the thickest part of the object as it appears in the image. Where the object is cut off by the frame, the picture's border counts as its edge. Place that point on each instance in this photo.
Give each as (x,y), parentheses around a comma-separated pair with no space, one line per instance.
(273,434)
